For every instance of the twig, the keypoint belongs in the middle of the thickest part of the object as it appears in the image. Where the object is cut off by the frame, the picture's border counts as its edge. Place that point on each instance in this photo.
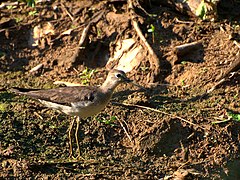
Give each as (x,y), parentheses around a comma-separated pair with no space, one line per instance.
(140,7)
(36,68)
(80,43)
(95,19)
(4,4)
(221,121)
(234,66)
(215,85)
(68,13)
(83,36)
(62,162)
(38,115)
(183,22)
(186,50)
(154,61)
(158,111)
(124,129)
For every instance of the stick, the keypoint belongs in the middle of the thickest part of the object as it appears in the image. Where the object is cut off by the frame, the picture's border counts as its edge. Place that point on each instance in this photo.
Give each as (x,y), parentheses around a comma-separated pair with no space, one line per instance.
(154,61)
(233,67)
(124,129)
(68,13)
(183,49)
(83,36)
(158,111)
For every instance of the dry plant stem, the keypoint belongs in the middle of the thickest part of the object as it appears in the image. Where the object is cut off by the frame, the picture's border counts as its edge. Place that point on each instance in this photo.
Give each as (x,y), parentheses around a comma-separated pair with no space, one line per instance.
(70,138)
(83,36)
(4,4)
(140,7)
(68,13)
(183,22)
(154,61)
(38,115)
(158,111)
(215,85)
(124,129)
(76,137)
(36,68)
(63,163)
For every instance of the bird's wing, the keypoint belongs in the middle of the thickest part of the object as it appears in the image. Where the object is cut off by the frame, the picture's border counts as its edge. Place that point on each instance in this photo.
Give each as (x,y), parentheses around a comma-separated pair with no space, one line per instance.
(61,95)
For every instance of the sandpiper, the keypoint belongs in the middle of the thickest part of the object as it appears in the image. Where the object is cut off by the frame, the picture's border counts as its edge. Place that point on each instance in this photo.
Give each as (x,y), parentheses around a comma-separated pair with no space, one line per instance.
(80,101)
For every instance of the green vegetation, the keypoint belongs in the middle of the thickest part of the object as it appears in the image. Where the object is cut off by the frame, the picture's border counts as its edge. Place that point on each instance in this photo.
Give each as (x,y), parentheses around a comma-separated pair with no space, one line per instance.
(33,13)
(86,75)
(152,30)
(107,121)
(201,11)
(234,116)
(30,3)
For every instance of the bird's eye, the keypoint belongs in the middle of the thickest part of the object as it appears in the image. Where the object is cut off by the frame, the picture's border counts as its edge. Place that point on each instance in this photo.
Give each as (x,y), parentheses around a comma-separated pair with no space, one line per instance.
(118,75)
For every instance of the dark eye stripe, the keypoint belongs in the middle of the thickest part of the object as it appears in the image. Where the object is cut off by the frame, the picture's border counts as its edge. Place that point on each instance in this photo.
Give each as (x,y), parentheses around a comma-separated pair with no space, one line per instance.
(118,75)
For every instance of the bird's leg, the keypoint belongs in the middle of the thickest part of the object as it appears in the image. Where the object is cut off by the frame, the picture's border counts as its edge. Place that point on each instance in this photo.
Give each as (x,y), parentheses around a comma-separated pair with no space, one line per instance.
(76,136)
(70,138)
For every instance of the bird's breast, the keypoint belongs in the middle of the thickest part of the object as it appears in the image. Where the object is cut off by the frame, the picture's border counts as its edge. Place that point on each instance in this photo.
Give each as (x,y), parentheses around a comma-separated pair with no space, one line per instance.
(88,108)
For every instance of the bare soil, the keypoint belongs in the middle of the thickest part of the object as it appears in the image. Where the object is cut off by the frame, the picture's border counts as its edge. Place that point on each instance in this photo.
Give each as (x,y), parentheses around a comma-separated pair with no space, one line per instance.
(171,130)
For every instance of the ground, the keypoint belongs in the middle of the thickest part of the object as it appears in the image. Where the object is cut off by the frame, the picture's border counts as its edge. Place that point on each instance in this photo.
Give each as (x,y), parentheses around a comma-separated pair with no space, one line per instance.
(172,129)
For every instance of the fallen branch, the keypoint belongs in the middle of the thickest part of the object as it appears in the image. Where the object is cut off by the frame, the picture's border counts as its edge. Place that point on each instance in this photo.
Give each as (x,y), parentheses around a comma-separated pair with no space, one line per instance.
(154,61)
(189,51)
(187,48)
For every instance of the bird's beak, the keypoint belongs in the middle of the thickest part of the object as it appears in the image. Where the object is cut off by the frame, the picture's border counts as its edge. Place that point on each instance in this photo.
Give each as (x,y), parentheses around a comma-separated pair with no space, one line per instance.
(126,80)
(135,84)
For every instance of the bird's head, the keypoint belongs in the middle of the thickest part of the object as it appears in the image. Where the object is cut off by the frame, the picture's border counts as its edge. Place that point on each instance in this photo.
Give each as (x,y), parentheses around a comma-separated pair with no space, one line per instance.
(118,76)
(114,78)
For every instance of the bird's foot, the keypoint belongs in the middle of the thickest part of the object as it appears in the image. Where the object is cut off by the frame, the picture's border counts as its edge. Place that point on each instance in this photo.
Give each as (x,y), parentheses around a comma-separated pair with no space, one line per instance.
(78,157)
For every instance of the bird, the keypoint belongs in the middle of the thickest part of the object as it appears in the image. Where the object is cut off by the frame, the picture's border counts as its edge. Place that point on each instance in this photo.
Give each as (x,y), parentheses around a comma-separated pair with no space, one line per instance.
(79,101)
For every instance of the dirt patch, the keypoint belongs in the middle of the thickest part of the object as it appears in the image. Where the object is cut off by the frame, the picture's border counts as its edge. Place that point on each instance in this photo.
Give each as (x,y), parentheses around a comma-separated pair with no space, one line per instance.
(170,130)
